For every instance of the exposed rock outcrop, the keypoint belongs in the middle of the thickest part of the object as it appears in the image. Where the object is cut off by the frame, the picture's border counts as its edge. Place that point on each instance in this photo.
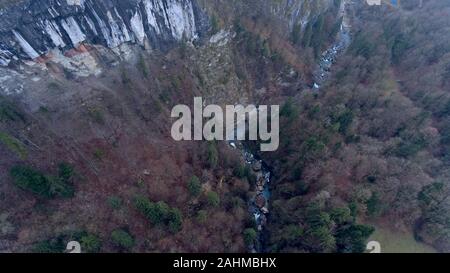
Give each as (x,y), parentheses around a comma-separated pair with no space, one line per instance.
(33,28)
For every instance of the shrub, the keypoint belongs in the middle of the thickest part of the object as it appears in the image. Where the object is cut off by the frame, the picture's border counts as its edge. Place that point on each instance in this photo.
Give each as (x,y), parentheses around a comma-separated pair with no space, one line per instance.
(124,76)
(318,219)
(250,236)
(215,25)
(301,187)
(97,115)
(175,220)
(240,170)
(90,243)
(410,147)
(353,206)
(99,154)
(321,239)
(151,211)
(194,186)
(341,215)
(115,202)
(362,46)
(314,145)
(54,86)
(160,213)
(60,188)
(296,34)
(373,205)
(9,112)
(286,190)
(292,233)
(428,195)
(288,110)
(122,239)
(399,48)
(202,215)
(243,171)
(317,38)
(213,155)
(308,33)
(344,120)
(352,239)
(213,199)
(65,172)
(13,144)
(55,245)
(142,66)
(36,182)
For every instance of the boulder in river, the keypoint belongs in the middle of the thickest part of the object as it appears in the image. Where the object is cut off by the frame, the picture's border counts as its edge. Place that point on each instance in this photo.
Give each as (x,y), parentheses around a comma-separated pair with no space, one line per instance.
(259,178)
(263,220)
(257,166)
(260,201)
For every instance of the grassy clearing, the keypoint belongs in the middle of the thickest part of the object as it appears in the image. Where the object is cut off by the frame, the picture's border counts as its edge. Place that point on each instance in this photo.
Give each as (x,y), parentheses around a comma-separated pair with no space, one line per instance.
(399,242)
(13,144)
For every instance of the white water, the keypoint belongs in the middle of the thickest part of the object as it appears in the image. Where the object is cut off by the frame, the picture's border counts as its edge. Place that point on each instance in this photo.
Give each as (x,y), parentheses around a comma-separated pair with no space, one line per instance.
(330,55)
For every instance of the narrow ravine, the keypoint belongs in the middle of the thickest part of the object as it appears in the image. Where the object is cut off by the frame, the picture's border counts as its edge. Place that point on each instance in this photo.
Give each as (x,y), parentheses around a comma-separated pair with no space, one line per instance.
(329,56)
(258,206)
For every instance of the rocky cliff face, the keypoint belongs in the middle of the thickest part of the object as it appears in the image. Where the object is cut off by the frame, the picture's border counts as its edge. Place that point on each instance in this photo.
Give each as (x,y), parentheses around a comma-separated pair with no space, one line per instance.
(33,28)
(300,12)
(84,37)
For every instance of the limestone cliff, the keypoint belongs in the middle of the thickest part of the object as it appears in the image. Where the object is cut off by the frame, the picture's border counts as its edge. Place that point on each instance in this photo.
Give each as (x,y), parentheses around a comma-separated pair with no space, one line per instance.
(33,28)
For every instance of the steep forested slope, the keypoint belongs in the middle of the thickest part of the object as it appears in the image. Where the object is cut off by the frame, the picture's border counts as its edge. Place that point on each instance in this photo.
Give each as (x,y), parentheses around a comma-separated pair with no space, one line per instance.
(85,127)
(370,146)
(85,144)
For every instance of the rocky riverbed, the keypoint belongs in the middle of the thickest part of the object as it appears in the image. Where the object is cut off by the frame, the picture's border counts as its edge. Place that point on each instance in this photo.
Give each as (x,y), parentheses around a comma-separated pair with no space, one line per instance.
(259,203)
(330,55)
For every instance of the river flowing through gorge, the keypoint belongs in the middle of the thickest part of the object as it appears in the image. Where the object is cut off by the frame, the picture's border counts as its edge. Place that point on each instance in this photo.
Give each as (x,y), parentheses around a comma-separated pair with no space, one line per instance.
(259,204)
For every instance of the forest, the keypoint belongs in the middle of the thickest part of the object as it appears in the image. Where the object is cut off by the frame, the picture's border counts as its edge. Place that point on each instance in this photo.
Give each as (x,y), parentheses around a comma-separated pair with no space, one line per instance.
(367,152)
(370,147)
